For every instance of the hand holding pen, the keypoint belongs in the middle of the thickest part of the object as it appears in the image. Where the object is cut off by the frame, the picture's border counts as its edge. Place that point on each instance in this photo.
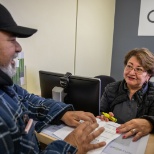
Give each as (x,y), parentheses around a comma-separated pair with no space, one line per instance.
(107,116)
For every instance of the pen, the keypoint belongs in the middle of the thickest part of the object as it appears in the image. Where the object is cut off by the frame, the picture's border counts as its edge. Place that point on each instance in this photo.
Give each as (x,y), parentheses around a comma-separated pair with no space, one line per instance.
(28,126)
(109,117)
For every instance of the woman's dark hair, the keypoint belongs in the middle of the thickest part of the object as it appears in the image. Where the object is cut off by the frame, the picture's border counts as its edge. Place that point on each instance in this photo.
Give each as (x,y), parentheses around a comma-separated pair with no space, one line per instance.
(145,58)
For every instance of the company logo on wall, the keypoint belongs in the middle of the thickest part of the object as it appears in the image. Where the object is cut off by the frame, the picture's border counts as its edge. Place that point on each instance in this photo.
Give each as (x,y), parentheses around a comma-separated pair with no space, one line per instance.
(146,18)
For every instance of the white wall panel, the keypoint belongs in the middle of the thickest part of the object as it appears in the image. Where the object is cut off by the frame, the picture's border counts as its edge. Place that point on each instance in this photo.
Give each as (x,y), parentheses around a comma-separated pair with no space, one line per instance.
(94,37)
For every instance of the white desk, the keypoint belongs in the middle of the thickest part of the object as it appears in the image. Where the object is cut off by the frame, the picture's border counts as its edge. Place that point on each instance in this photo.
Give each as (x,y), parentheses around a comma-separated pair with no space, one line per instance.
(48,139)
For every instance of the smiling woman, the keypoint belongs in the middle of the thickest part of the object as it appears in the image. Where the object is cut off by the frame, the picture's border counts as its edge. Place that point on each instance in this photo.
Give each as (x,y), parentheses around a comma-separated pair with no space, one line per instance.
(131,100)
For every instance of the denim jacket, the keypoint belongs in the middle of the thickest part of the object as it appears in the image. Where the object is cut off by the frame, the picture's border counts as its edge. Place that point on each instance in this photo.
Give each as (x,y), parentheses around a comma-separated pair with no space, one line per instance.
(15,102)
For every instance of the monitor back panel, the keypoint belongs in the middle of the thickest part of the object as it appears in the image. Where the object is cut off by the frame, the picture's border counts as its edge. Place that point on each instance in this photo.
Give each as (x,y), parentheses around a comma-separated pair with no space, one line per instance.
(82,92)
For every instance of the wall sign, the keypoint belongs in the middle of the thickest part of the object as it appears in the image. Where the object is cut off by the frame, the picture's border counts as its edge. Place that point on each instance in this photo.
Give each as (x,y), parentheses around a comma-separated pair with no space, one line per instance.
(146,18)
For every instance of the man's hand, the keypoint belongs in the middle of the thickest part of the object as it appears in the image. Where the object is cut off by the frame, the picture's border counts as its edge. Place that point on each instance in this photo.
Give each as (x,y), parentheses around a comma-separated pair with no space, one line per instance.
(72,118)
(83,135)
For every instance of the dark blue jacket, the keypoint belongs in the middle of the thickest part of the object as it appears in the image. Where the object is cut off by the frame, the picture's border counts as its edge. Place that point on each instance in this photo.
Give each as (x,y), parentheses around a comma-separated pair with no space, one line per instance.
(15,103)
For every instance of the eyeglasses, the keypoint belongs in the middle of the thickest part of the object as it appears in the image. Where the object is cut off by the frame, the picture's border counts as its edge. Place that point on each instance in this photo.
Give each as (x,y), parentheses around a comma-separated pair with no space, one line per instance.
(137,70)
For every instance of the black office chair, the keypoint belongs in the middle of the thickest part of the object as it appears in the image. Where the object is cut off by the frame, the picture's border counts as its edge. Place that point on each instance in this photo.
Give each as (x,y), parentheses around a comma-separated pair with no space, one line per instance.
(104,81)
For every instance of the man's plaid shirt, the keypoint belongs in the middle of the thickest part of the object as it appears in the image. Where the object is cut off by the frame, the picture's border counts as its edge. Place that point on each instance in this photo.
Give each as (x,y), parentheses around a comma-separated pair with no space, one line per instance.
(14,103)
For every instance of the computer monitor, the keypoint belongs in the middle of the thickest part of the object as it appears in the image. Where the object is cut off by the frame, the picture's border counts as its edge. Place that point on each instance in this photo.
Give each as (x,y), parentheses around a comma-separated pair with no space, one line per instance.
(82,92)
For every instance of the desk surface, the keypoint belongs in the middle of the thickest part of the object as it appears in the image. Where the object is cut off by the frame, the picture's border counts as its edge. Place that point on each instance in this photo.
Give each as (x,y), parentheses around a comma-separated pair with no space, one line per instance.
(150,145)
(46,139)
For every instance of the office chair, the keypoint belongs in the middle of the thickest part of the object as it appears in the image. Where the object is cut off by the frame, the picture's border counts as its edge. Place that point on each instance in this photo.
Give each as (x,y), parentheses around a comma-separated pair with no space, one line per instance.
(104,81)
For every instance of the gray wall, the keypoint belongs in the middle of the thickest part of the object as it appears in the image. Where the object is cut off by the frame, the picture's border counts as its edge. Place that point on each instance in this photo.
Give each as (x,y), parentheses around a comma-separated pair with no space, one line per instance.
(126,34)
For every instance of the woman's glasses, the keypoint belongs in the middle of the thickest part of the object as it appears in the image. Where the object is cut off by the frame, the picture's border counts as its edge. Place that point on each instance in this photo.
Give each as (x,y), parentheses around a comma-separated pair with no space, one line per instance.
(137,69)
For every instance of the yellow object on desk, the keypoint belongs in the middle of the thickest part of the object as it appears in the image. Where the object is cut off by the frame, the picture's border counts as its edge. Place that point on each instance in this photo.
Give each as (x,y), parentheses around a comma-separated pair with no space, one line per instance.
(109,117)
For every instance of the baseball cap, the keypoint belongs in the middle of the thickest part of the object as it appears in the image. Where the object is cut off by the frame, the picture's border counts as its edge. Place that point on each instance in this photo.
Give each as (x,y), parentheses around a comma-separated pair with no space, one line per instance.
(8,24)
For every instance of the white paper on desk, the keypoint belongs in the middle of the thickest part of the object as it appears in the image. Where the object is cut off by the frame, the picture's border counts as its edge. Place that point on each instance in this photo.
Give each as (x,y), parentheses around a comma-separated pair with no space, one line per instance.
(63,132)
(50,129)
(108,135)
(126,146)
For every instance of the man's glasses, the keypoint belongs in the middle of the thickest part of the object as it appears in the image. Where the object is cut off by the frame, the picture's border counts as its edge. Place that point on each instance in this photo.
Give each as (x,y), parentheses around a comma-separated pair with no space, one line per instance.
(137,70)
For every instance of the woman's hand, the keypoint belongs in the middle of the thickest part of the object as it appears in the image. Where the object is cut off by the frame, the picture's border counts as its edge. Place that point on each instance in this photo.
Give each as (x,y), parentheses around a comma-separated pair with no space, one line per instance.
(72,118)
(136,128)
(82,136)
(103,118)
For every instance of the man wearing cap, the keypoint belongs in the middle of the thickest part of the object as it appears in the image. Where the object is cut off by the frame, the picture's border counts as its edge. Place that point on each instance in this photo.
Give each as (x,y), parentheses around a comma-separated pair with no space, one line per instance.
(18,108)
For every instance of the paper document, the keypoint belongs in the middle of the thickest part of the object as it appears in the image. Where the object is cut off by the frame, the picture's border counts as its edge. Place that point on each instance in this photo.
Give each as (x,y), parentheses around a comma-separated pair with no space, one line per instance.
(108,135)
(114,142)
(126,146)
(50,129)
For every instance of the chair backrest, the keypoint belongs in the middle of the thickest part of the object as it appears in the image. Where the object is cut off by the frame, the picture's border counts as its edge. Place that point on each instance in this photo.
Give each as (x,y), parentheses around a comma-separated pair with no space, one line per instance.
(104,81)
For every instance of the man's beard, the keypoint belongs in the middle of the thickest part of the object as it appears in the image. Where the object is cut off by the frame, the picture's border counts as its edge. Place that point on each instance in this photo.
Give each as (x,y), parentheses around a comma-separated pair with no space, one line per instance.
(9,70)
